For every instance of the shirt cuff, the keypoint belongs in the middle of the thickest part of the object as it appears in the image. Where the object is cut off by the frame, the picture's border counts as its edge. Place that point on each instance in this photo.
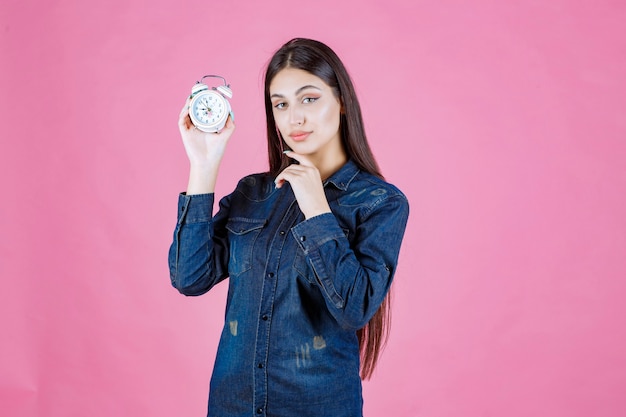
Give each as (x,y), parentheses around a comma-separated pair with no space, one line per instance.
(196,208)
(314,232)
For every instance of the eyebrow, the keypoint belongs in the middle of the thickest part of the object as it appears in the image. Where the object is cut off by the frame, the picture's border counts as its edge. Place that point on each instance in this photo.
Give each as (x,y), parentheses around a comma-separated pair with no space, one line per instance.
(298,91)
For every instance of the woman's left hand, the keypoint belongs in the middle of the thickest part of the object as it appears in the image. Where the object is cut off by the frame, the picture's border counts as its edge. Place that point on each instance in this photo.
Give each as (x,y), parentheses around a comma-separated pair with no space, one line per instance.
(307,186)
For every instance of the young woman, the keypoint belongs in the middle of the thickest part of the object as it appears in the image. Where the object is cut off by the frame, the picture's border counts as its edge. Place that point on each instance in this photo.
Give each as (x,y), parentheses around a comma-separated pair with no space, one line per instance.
(310,247)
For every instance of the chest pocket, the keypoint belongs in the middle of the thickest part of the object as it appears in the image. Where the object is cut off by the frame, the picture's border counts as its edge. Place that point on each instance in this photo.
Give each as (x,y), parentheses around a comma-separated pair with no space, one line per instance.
(242,233)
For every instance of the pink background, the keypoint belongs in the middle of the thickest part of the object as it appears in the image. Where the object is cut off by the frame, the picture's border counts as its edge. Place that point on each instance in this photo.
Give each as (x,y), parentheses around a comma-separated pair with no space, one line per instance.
(503,122)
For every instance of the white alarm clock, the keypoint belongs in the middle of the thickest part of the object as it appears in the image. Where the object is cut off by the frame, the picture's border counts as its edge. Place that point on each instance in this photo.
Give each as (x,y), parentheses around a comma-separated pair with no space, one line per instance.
(209,107)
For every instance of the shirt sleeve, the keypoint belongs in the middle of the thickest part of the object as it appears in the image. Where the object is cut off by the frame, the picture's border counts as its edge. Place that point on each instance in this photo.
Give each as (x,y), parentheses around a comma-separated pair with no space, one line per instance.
(355,277)
(198,257)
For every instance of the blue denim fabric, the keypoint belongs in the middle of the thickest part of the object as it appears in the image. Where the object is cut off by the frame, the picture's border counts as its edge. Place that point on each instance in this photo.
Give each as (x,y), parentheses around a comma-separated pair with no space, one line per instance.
(298,289)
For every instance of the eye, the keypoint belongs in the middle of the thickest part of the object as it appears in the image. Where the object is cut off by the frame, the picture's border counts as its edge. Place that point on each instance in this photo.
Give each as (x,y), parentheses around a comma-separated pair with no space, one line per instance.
(280,105)
(310,99)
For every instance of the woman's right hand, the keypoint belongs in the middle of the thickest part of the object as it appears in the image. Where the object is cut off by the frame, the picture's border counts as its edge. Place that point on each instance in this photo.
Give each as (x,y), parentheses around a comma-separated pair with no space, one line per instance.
(204,150)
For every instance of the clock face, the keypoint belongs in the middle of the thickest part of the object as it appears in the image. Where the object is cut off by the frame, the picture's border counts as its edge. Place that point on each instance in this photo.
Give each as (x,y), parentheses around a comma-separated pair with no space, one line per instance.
(209,108)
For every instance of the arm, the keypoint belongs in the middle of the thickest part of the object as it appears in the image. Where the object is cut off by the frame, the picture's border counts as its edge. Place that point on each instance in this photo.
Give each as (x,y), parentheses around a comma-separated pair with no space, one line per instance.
(198,259)
(204,150)
(198,256)
(355,280)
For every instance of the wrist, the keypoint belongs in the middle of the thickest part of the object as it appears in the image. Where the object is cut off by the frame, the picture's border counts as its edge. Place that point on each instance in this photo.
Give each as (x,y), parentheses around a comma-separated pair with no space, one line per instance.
(202,179)
(316,212)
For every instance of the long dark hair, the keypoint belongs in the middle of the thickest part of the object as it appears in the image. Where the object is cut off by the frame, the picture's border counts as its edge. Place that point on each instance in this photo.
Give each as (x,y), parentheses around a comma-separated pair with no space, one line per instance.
(318,59)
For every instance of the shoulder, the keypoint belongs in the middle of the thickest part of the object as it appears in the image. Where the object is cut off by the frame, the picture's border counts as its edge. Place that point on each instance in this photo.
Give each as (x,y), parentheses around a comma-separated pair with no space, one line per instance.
(256,187)
(370,191)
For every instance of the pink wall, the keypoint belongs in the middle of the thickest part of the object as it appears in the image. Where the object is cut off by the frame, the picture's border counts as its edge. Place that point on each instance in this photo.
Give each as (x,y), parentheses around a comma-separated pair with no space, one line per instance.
(503,122)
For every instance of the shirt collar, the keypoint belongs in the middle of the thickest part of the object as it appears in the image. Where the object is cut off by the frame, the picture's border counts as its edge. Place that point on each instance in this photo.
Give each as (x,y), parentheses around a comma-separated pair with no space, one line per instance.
(342,178)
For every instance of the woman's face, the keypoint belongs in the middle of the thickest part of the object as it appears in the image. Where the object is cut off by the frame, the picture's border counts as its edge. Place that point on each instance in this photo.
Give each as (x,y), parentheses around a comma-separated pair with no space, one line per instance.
(307,114)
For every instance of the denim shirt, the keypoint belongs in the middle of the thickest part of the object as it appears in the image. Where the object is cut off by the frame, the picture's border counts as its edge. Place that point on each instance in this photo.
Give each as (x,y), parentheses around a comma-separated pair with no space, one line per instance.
(298,289)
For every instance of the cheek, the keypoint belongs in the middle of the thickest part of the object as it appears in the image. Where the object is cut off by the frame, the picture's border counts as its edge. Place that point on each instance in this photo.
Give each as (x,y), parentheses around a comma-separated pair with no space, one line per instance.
(280,121)
(330,116)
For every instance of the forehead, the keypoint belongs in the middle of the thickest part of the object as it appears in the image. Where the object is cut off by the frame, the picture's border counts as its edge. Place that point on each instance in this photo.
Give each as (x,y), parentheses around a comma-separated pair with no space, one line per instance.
(289,80)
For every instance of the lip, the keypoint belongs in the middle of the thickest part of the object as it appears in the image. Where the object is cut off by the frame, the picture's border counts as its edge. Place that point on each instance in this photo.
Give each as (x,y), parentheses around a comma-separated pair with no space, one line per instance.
(299,135)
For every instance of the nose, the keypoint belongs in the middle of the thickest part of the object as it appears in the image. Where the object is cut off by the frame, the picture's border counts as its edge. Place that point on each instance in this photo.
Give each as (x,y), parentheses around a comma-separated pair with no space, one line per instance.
(296,116)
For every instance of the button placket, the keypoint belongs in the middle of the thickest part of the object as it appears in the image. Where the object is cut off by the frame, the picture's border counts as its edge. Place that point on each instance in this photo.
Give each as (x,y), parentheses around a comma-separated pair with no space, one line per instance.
(268,291)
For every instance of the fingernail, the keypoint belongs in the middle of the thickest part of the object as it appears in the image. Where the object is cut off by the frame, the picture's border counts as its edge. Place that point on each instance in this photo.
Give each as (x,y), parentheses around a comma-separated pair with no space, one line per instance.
(287,151)
(232,115)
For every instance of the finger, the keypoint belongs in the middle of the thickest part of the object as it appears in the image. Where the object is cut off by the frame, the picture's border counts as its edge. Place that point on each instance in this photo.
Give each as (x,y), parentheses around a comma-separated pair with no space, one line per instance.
(184,121)
(291,173)
(285,176)
(300,158)
(185,110)
(230,123)
(279,183)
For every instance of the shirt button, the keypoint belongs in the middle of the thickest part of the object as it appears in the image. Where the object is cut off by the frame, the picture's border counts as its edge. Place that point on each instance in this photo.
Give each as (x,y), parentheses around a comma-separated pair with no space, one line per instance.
(303,238)
(282,232)
(260,366)
(264,317)
(259,411)
(270,275)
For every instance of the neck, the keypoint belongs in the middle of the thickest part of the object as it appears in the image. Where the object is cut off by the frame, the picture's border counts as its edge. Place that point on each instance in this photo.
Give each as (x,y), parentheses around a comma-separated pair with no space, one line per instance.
(330,164)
